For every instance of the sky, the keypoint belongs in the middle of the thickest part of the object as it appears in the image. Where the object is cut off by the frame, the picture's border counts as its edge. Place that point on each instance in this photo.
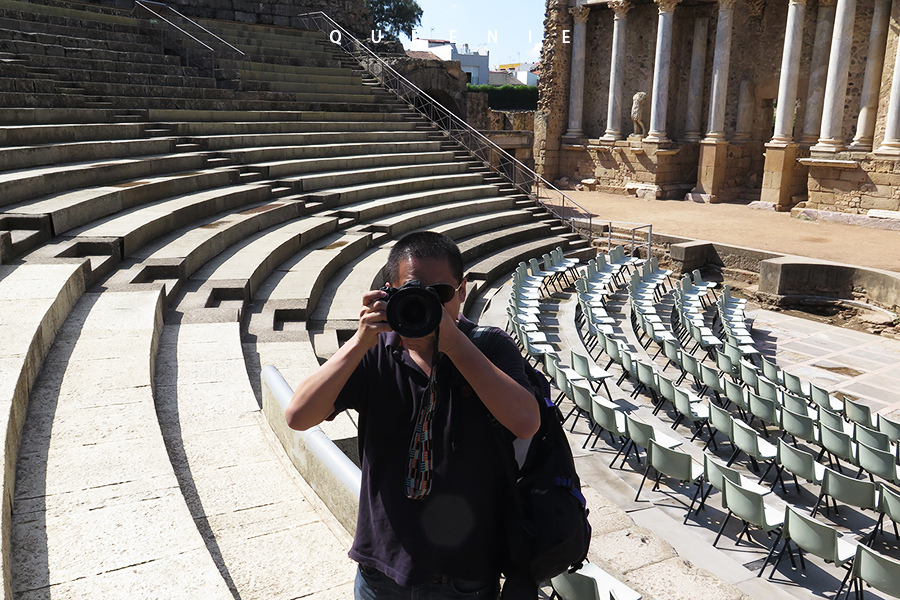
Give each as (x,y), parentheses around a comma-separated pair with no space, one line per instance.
(511,30)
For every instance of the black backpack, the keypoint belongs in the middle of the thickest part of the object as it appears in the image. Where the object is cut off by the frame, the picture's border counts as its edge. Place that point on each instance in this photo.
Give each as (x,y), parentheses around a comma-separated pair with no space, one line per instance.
(546,528)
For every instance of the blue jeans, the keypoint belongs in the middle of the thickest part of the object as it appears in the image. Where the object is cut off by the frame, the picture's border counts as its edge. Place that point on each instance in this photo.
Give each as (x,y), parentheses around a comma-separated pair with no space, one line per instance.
(372,584)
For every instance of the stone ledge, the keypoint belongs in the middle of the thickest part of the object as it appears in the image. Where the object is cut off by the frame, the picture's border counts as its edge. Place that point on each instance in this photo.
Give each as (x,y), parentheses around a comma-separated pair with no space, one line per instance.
(830,163)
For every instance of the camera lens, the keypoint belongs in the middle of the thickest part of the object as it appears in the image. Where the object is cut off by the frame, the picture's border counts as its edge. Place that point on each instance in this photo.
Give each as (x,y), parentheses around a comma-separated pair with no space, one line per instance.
(414,311)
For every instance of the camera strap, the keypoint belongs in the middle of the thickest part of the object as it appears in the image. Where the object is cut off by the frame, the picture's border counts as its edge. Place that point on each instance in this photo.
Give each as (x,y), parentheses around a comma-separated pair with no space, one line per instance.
(418,478)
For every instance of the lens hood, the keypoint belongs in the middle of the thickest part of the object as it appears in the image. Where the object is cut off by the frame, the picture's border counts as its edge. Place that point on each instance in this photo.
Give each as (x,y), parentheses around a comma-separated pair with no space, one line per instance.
(413,310)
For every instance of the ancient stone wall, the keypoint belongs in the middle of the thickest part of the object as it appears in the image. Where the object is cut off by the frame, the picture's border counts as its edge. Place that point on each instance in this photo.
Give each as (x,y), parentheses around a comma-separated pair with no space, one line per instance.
(553,100)
(477,111)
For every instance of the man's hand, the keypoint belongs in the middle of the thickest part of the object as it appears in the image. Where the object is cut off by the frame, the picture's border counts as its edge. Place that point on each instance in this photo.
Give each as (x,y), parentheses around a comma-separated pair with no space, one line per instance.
(372,318)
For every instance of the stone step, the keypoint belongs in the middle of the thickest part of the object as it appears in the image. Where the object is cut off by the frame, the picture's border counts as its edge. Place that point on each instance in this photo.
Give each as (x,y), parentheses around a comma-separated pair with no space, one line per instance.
(249,81)
(475,240)
(25,184)
(87,77)
(11,29)
(104,479)
(36,298)
(134,228)
(398,224)
(371,175)
(205,128)
(274,140)
(77,16)
(294,289)
(151,65)
(72,209)
(364,212)
(28,48)
(382,192)
(230,117)
(317,167)
(18,157)
(219,27)
(275,72)
(281,158)
(175,257)
(237,273)
(256,43)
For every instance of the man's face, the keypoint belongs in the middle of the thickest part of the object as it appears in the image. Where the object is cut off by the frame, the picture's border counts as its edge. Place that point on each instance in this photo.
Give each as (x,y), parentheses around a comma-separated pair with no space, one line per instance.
(431,271)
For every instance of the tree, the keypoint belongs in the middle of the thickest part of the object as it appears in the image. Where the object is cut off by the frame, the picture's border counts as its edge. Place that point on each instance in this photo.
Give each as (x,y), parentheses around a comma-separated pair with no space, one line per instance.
(394,17)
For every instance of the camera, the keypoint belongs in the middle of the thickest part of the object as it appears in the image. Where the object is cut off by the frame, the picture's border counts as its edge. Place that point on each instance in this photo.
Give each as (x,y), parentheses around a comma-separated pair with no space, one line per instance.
(413,310)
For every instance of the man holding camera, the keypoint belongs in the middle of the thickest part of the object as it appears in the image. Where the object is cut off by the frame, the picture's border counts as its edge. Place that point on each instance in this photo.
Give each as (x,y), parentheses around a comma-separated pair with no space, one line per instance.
(433,483)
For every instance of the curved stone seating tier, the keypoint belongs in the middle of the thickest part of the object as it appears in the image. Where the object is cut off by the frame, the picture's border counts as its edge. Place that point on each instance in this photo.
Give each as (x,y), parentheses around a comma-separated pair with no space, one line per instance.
(13,157)
(347,122)
(290,74)
(421,218)
(230,116)
(24,184)
(34,301)
(289,140)
(94,474)
(25,134)
(324,180)
(131,229)
(354,164)
(373,209)
(95,18)
(237,272)
(68,210)
(293,290)
(272,160)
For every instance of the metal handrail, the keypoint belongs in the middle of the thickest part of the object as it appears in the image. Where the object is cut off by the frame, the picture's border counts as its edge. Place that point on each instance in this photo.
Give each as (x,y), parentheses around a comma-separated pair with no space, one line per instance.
(490,154)
(208,32)
(143,5)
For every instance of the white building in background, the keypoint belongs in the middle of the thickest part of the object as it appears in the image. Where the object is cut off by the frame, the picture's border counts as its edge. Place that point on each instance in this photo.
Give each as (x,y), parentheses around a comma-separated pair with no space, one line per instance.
(473,63)
(523,73)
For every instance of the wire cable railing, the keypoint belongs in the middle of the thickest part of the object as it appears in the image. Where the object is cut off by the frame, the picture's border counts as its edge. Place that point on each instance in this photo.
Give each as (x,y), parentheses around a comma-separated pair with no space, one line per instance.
(477,144)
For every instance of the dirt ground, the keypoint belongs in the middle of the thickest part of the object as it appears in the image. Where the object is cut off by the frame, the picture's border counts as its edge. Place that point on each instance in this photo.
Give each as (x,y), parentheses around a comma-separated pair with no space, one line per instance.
(739,225)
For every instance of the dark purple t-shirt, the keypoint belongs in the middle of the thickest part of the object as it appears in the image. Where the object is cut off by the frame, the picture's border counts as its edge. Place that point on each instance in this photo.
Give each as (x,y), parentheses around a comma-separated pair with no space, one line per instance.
(455,530)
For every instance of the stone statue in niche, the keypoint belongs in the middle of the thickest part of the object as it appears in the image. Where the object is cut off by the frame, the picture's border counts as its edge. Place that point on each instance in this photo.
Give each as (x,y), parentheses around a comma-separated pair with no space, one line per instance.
(637,111)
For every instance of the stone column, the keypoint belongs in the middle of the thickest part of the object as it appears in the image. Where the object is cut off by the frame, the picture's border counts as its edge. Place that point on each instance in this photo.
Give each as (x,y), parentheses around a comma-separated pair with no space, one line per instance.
(695,85)
(714,148)
(831,132)
(868,110)
(790,73)
(744,125)
(576,78)
(781,153)
(721,62)
(890,146)
(815,95)
(614,108)
(660,94)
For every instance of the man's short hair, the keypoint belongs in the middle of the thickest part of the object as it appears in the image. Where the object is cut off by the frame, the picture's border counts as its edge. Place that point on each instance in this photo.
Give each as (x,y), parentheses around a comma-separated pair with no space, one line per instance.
(424,244)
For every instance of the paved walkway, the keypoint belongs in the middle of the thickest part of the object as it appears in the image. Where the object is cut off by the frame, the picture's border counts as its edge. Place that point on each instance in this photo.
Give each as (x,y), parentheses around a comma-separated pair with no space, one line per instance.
(743,226)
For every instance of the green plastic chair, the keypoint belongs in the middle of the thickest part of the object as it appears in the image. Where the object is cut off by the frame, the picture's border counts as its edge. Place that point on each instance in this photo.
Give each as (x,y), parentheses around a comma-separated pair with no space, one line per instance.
(771,371)
(838,445)
(676,464)
(879,571)
(581,397)
(877,462)
(821,397)
(797,462)
(639,435)
(690,366)
(796,404)
(666,389)
(888,506)
(799,426)
(858,412)
(590,582)
(764,409)
(889,427)
(871,437)
(815,537)
(715,473)
(749,375)
(711,379)
(737,395)
(588,369)
(834,420)
(747,440)
(849,490)
(750,508)
(720,421)
(646,377)
(607,417)
(692,409)
(795,385)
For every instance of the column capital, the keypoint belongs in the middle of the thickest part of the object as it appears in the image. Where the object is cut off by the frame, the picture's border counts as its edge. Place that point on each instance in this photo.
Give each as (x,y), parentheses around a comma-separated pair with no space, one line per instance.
(580,13)
(620,7)
(800,2)
(726,4)
(666,6)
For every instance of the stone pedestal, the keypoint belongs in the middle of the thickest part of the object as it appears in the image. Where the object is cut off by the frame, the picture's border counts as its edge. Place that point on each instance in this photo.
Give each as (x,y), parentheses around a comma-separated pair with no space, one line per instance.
(778,175)
(710,171)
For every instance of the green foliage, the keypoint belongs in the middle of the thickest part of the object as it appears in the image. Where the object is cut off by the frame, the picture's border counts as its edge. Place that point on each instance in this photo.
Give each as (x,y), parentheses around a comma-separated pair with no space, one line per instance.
(394,17)
(509,97)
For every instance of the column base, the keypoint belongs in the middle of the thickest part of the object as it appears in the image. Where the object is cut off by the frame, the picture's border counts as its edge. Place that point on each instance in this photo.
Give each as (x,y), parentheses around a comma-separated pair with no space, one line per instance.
(574,138)
(656,137)
(861,145)
(611,136)
(888,149)
(778,175)
(829,145)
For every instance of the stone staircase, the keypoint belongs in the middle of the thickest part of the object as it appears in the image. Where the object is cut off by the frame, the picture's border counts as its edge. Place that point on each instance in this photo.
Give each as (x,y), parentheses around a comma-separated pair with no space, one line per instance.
(164,232)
